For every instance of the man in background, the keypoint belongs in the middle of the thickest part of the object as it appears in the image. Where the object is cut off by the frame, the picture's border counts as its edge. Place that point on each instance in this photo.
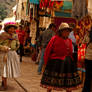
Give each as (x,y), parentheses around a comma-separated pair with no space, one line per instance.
(46,36)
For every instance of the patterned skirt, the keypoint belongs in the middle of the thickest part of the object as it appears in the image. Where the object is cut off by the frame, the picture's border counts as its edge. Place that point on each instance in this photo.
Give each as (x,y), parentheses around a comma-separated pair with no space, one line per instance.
(61,74)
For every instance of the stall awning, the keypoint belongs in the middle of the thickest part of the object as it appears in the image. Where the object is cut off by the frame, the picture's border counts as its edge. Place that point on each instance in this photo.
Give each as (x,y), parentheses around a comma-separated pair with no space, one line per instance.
(34,1)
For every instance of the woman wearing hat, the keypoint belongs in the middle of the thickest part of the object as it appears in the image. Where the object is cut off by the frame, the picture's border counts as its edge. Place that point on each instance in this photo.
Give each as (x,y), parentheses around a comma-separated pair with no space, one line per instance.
(61,71)
(9,45)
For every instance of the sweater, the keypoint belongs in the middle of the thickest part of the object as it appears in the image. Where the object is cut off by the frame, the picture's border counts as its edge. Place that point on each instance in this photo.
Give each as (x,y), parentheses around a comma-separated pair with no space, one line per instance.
(58,48)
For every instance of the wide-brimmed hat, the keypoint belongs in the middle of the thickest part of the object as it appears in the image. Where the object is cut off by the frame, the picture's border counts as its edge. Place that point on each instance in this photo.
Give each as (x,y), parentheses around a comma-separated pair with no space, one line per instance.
(8,25)
(64,26)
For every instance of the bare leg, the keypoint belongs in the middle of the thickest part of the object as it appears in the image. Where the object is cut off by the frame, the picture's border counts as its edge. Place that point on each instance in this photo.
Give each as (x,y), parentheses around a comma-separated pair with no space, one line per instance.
(4,83)
(48,90)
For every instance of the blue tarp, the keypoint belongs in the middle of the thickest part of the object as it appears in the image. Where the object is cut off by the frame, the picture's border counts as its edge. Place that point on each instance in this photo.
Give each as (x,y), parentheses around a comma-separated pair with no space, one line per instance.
(34,1)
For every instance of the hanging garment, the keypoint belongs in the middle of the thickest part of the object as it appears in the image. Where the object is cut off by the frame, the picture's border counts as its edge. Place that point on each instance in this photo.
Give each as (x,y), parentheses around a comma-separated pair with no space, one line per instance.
(90,7)
(79,9)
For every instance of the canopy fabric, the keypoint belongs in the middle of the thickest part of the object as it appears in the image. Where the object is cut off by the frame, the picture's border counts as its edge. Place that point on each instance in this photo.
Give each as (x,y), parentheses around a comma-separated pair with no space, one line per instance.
(34,1)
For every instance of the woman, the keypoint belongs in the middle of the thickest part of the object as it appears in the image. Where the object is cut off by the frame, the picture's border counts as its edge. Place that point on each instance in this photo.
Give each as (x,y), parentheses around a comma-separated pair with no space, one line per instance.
(60,72)
(9,45)
(21,36)
(88,65)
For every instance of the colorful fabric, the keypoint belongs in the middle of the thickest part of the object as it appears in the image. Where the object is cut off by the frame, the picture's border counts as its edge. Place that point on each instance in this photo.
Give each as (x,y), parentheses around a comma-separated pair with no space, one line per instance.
(67,5)
(46,4)
(64,6)
(58,4)
(81,56)
(81,52)
(27,7)
(60,75)
(7,23)
(34,1)
(62,14)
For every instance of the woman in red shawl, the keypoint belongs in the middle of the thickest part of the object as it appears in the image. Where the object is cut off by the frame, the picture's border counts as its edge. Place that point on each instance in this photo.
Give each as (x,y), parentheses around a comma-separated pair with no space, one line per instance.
(61,71)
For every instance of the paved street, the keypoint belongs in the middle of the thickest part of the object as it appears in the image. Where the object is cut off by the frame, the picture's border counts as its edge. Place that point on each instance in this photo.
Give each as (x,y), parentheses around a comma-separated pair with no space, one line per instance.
(29,80)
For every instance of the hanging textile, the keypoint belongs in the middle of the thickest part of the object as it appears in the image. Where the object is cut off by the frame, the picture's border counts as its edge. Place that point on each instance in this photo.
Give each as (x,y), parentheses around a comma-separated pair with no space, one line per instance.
(58,4)
(79,9)
(34,1)
(27,7)
(81,57)
(46,4)
(67,5)
(90,7)
(64,8)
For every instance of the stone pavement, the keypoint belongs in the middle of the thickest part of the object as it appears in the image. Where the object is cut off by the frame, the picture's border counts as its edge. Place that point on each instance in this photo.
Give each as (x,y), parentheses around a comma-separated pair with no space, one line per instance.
(29,80)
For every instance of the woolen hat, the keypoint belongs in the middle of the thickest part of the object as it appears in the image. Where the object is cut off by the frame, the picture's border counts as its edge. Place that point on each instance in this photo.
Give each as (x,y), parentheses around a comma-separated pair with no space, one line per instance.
(64,26)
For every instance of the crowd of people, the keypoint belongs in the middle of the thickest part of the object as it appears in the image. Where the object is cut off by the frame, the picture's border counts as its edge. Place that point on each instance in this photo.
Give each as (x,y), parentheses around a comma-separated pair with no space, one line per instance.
(57,55)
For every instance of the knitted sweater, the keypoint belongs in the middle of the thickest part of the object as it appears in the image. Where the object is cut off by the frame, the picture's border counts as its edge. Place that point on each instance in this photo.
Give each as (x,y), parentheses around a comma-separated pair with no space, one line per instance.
(58,48)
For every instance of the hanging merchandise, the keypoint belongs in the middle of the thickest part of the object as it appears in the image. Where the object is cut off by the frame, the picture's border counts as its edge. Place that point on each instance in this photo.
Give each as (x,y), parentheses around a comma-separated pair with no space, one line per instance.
(79,9)
(63,8)
(90,7)
(58,4)
(27,7)
(33,29)
(67,5)
(46,4)
(34,1)
(44,22)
